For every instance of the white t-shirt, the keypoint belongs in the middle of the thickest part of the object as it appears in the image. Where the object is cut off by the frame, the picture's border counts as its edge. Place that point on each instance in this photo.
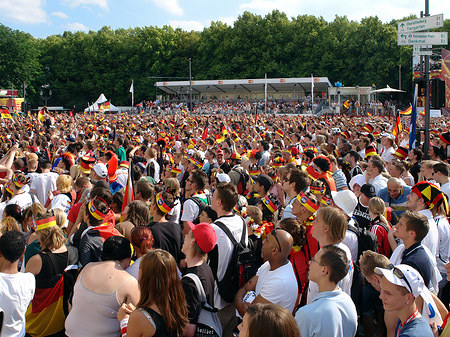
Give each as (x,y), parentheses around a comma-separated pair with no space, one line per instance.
(156,166)
(62,202)
(446,189)
(278,286)
(431,240)
(44,183)
(225,249)
(345,284)
(16,293)
(190,208)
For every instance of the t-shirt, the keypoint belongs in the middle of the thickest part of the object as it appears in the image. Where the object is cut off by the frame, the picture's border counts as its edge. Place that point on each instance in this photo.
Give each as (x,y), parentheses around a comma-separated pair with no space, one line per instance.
(16,293)
(331,313)
(168,236)
(381,231)
(417,327)
(44,183)
(278,286)
(345,284)
(206,277)
(361,213)
(190,208)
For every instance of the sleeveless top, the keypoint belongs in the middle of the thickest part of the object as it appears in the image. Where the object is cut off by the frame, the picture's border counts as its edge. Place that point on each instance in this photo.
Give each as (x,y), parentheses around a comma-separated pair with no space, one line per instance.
(157,321)
(45,278)
(93,314)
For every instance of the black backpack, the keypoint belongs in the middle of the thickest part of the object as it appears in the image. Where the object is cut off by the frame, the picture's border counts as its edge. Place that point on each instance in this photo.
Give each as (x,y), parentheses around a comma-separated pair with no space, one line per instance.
(243,180)
(242,266)
(201,207)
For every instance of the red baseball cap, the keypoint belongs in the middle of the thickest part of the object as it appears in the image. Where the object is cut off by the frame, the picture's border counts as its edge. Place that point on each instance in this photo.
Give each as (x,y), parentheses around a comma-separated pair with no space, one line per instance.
(204,235)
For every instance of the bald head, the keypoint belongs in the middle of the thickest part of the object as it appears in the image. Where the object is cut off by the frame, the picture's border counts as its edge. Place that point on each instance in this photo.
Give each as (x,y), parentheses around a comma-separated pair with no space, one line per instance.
(394,187)
(286,242)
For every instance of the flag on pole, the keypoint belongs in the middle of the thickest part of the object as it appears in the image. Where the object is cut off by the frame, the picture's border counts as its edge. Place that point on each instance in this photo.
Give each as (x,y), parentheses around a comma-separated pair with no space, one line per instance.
(205,131)
(397,128)
(129,194)
(406,112)
(412,125)
(132,87)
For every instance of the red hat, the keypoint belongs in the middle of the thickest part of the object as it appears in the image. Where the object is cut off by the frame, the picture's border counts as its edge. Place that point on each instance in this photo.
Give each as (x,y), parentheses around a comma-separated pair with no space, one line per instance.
(294,151)
(204,235)
(401,152)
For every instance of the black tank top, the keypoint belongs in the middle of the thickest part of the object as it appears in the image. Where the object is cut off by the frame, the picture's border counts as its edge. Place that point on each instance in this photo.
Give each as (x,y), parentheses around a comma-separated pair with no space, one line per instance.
(50,273)
(161,330)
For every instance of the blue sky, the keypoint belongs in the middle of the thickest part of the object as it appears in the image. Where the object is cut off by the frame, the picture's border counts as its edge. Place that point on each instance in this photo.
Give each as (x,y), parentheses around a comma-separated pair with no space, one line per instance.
(48,17)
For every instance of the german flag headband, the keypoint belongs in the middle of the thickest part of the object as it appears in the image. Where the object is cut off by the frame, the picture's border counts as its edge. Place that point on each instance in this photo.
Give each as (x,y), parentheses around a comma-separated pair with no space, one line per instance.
(45,223)
(317,190)
(269,204)
(161,204)
(94,211)
(173,169)
(307,203)
(16,181)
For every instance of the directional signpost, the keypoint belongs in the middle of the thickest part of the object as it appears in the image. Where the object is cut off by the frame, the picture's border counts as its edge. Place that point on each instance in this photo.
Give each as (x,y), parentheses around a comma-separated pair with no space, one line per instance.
(417,25)
(419,50)
(438,38)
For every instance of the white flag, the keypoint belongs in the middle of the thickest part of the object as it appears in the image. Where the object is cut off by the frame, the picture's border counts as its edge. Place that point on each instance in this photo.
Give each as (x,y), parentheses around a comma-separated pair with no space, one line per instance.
(131,88)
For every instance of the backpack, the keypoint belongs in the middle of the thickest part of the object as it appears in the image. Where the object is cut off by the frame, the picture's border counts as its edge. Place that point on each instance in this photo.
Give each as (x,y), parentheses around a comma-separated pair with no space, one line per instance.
(242,266)
(243,180)
(201,207)
(208,323)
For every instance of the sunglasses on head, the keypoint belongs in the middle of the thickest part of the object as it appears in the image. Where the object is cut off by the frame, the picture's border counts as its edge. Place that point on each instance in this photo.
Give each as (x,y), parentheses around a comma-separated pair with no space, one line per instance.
(399,274)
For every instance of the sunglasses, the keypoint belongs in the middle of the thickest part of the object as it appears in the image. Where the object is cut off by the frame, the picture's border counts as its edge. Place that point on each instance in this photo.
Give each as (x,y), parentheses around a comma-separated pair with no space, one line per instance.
(274,234)
(314,260)
(399,274)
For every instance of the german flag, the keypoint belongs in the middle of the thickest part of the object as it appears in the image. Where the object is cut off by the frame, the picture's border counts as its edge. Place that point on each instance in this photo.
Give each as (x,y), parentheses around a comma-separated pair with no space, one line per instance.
(407,111)
(313,174)
(41,114)
(205,131)
(107,105)
(5,114)
(45,314)
(347,104)
(397,128)
(220,138)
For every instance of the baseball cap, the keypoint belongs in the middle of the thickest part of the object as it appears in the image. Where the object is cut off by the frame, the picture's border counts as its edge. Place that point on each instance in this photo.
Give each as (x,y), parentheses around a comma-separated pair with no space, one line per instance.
(368,190)
(204,235)
(264,180)
(345,200)
(404,276)
(101,170)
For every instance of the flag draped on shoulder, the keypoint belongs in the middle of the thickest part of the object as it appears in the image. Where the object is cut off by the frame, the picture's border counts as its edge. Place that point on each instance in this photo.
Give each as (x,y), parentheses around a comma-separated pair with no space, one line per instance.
(412,125)
(129,193)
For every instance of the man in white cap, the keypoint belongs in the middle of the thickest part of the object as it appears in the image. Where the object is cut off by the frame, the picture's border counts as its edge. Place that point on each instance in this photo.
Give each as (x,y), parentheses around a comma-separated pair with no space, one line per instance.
(400,286)
(99,172)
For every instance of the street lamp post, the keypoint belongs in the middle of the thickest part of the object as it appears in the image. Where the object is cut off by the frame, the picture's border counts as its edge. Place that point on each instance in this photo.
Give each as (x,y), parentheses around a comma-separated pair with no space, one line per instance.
(46,93)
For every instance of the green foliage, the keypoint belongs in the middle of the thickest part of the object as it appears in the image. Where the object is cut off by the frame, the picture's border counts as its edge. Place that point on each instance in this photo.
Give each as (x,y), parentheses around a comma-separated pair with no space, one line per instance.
(79,66)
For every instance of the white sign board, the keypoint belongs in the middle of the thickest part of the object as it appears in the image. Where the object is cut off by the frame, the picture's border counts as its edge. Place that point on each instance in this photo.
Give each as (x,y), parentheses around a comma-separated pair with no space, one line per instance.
(435,113)
(405,39)
(422,50)
(417,25)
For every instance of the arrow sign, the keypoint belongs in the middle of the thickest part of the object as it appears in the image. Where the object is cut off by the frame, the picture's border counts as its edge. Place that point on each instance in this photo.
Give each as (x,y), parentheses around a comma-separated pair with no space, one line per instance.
(436,38)
(425,23)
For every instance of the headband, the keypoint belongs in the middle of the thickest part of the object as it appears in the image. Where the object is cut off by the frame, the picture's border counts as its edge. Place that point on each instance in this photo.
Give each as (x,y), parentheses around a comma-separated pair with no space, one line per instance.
(307,203)
(318,190)
(94,211)
(45,223)
(161,204)
(16,181)
(269,204)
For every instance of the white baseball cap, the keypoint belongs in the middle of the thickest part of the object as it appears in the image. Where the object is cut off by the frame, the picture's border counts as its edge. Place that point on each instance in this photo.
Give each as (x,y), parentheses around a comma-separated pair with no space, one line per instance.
(101,170)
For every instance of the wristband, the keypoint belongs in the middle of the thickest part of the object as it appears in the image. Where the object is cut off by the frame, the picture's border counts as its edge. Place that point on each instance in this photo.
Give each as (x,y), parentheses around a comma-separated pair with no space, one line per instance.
(123,327)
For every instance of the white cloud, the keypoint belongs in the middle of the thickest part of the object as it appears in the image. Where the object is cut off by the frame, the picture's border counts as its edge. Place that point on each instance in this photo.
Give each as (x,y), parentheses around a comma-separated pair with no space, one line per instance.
(188,25)
(229,20)
(103,4)
(27,11)
(75,27)
(60,15)
(171,6)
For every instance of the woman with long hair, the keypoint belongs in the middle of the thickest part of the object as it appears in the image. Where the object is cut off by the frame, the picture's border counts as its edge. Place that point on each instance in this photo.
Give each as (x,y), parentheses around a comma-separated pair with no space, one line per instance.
(379,225)
(136,214)
(162,308)
(268,320)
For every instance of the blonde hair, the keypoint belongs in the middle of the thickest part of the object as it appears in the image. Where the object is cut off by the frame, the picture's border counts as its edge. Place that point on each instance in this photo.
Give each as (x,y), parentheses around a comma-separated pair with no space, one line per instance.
(377,206)
(173,186)
(64,183)
(9,224)
(60,217)
(336,221)
(51,238)
(30,212)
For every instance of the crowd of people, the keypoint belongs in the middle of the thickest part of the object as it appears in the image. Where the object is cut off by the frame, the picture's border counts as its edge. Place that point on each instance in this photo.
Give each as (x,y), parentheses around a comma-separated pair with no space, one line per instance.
(222,225)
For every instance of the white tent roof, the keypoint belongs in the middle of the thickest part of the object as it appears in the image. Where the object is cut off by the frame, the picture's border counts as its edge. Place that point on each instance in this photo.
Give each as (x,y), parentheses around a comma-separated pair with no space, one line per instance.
(100,99)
